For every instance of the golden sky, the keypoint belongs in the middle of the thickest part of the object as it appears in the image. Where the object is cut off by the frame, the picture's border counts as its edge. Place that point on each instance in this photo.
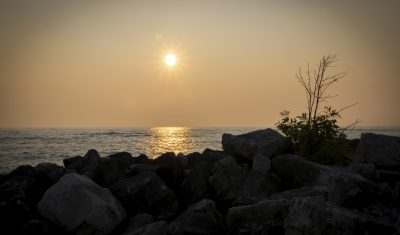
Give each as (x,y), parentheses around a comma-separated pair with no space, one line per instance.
(100,63)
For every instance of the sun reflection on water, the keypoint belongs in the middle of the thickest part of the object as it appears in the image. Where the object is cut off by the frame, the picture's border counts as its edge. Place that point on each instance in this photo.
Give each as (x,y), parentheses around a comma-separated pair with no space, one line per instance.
(170,139)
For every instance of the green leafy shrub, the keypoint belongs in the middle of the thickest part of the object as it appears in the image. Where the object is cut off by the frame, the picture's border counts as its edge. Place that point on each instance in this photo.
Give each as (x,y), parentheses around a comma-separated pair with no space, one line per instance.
(313,134)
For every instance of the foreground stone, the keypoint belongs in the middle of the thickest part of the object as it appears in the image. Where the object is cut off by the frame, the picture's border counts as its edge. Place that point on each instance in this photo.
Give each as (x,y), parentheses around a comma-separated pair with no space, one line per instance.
(146,193)
(113,168)
(266,142)
(346,188)
(20,191)
(302,216)
(381,150)
(84,165)
(78,205)
(199,218)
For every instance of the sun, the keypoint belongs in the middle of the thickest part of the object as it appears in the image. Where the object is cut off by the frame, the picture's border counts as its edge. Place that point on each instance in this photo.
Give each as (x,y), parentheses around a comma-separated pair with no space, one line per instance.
(170,60)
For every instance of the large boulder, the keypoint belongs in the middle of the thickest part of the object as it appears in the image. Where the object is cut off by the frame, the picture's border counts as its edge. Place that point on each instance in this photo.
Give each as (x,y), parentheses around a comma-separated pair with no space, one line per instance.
(200,167)
(84,165)
(265,217)
(259,184)
(155,228)
(79,205)
(20,191)
(199,218)
(302,215)
(367,170)
(307,216)
(381,150)
(346,187)
(196,185)
(145,192)
(170,169)
(227,179)
(113,168)
(138,221)
(267,142)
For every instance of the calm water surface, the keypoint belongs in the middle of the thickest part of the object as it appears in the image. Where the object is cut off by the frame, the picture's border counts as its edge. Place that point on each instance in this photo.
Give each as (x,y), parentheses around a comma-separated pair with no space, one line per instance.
(32,146)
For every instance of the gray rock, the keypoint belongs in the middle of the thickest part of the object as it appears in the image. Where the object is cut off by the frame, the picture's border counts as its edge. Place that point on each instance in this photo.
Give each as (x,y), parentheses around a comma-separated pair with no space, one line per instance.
(138,221)
(381,150)
(146,193)
(137,168)
(113,168)
(84,165)
(156,228)
(367,170)
(227,179)
(391,177)
(20,191)
(261,164)
(199,218)
(170,169)
(346,187)
(196,186)
(302,215)
(317,193)
(308,216)
(258,184)
(267,142)
(78,205)
(266,217)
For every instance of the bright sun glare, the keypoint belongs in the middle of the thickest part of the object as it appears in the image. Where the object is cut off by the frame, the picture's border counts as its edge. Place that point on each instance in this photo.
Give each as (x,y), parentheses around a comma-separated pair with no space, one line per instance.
(170,60)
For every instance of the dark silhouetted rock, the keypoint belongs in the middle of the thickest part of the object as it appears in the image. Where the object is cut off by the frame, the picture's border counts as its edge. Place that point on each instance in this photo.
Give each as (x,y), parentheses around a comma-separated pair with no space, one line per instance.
(40,227)
(381,150)
(213,155)
(267,142)
(227,179)
(196,185)
(258,184)
(156,228)
(193,159)
(391,177)
(302,215)
(79,205)
(84,165)
(346,188)
(113,168)
(138,221)
(199,218)
(367,170)
(307,216)
(141,159)
(137,168)
(146,193)
(170,170)
(21,190)
(317,193)
(266,217)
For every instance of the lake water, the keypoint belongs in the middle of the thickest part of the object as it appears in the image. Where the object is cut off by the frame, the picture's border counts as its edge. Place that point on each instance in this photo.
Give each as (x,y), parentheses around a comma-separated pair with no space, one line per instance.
(32,146)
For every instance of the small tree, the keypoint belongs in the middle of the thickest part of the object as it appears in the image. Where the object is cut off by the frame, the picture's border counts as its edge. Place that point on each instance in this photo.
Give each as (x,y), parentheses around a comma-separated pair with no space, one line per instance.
(315,134)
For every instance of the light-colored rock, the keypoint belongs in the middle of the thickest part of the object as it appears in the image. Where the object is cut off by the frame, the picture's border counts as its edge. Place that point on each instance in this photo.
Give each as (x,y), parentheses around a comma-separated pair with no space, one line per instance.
(76,203)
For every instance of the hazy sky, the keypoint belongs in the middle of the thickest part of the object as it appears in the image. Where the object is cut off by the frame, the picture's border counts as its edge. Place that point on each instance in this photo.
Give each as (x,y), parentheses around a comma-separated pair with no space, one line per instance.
(99,63)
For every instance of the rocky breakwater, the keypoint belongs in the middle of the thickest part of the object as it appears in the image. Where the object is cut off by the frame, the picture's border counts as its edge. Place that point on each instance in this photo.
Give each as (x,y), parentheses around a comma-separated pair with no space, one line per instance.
(256,185)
